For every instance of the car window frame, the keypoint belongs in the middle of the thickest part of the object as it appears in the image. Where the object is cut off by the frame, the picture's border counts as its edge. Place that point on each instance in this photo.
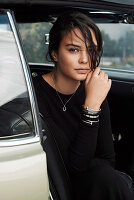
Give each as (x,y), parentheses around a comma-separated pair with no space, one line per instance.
(37,129)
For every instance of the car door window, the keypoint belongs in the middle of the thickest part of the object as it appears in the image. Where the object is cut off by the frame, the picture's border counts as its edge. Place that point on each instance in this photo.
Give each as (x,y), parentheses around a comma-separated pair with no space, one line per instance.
(15,109)
(118,45)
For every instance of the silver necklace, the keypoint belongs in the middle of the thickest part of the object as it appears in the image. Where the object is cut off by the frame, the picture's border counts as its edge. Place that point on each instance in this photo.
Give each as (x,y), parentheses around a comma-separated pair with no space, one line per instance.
(64,108)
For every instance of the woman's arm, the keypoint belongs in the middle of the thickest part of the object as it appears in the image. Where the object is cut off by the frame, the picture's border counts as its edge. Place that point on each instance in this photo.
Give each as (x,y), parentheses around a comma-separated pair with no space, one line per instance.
(96,137)
(93,143)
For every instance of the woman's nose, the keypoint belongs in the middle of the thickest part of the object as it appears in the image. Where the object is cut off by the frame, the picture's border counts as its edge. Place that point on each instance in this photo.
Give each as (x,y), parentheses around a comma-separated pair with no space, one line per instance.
(84,57)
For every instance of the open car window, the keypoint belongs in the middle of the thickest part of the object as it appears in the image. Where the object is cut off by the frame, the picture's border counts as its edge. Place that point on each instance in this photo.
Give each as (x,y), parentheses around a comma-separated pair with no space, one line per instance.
(35,38)
(118,45)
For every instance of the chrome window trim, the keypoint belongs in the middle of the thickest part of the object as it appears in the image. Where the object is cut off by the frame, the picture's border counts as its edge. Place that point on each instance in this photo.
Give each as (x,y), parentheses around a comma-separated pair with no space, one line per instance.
(16,142)
(119,74)
(118,70)
(16,136)
(42,64)
(51,198)
(37,129)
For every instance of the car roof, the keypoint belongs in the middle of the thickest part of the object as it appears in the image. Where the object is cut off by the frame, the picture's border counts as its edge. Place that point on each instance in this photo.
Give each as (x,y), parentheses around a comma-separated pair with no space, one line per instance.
(39,10)
(126,2)
(41,2)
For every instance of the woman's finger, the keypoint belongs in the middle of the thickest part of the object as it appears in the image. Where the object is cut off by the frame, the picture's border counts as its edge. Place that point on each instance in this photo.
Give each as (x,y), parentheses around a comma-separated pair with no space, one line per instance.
(110,82)
(102,74)
(96,71)
(106,76)
(88,76)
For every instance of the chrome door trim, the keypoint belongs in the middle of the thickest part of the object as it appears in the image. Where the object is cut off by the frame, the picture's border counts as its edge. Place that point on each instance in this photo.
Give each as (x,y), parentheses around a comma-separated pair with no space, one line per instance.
(51,198)
(16,142)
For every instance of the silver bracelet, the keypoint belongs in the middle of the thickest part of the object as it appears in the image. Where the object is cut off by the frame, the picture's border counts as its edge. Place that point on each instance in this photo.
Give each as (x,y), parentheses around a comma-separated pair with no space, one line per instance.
(90,122)
(91,111)
(91,116)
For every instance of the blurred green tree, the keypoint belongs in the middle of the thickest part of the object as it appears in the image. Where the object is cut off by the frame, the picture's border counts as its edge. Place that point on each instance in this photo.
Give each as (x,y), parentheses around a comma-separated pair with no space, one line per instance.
(33,38)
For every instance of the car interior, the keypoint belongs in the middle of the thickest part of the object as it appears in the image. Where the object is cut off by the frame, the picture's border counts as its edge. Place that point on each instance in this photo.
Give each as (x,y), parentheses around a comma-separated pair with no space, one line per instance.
(120,100)
(18,123)
(120,97)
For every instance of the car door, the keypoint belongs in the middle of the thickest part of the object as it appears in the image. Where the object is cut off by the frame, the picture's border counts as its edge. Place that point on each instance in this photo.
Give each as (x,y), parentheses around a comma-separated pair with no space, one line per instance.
(23,167)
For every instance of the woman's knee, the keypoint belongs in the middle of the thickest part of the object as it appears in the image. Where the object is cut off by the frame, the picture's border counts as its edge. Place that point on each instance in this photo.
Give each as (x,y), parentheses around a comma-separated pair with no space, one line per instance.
(103,181)
(103,175)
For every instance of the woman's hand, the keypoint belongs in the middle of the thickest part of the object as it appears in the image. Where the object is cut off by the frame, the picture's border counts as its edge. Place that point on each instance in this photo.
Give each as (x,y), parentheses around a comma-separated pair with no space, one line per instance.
(97,86)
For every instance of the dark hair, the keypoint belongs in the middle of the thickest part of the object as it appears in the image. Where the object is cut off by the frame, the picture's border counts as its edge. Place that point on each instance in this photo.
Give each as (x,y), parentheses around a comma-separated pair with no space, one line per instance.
(66,23)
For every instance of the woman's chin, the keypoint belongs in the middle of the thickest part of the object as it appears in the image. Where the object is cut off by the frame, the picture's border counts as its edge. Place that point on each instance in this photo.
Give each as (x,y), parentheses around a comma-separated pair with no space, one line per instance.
(81,77)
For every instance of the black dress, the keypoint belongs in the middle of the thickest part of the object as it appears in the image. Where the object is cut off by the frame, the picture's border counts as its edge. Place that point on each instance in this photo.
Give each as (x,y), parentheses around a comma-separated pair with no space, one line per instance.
(87,150)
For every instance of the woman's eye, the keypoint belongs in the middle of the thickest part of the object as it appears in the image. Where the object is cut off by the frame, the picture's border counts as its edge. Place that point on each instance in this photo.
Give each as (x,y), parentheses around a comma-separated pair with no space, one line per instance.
(74,50)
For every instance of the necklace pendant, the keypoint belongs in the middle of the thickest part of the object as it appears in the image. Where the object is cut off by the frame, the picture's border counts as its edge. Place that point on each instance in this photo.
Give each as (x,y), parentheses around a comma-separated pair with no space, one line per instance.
(64,108)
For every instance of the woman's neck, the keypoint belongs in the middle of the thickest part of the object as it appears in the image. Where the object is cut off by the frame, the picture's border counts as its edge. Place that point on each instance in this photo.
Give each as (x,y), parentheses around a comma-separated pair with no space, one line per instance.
(61,83)
(64,84)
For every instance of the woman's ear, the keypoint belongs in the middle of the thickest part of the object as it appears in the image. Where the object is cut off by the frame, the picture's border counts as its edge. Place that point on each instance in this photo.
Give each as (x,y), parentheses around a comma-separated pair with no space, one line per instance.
(54,56)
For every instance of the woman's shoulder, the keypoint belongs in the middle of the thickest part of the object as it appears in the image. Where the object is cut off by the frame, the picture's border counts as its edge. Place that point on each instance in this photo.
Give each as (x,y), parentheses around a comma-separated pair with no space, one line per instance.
(40,83)
(41,93)
(36,78)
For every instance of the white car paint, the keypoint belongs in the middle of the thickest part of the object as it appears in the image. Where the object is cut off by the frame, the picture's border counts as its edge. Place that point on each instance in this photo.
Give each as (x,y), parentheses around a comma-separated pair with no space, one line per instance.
(23,173)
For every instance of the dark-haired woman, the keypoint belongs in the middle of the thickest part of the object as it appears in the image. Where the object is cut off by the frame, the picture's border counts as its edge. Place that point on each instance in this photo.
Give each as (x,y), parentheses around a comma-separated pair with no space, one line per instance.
(74,94)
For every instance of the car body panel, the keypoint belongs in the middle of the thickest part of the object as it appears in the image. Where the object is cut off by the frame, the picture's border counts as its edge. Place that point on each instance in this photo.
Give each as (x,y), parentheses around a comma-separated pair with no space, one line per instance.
(23,173)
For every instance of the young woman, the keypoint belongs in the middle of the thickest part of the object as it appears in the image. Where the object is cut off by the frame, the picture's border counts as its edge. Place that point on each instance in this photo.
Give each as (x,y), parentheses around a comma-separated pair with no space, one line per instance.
(74,94)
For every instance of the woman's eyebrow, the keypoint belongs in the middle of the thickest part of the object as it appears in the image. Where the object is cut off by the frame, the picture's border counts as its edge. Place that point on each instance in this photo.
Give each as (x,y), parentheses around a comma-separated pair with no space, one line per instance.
(74,45)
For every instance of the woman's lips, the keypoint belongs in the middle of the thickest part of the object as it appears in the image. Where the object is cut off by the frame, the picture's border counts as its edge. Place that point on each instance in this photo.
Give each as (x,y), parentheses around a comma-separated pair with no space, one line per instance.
(82,71)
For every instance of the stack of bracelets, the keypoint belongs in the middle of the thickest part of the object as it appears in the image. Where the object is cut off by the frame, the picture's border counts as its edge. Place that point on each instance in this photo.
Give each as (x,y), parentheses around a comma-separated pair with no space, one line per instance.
(90,116)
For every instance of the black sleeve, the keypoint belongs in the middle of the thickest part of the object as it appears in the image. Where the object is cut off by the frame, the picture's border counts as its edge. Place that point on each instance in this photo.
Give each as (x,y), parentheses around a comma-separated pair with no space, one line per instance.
(105,147)
(90,140)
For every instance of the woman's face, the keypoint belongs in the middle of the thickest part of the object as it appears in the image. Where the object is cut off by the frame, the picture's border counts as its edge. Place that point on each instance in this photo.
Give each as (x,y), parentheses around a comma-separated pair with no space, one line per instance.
(73,60)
